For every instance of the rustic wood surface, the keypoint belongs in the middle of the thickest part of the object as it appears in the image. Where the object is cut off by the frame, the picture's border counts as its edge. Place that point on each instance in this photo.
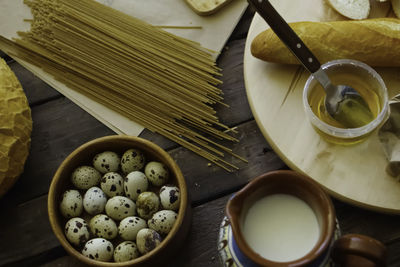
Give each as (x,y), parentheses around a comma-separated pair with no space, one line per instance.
(60,126)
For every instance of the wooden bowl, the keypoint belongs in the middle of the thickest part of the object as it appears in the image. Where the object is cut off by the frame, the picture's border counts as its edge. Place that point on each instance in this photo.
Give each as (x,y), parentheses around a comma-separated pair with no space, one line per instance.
(83,156)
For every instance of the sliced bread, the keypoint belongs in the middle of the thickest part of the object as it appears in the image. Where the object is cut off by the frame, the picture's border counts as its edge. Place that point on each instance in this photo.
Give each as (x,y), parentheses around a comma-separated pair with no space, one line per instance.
(353,9)
(206,7)
(396,7)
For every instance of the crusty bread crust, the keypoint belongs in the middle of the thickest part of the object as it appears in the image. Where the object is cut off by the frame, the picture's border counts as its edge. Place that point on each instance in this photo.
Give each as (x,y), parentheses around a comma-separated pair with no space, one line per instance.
(373,41)
(16,127)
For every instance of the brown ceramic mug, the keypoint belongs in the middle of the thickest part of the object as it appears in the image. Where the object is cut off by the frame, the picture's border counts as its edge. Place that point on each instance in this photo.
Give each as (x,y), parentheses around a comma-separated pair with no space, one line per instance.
(269,195)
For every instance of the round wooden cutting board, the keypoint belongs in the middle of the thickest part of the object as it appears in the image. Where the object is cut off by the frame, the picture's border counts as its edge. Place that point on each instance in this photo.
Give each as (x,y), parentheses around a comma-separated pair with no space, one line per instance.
(355,174)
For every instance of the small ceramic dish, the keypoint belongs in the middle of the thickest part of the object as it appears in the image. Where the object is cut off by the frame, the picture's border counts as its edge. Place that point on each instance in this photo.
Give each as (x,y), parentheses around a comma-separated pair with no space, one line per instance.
(83,155)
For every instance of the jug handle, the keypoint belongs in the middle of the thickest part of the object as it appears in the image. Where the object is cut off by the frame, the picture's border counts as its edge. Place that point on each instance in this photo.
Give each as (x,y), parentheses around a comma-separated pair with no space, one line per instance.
(353,250)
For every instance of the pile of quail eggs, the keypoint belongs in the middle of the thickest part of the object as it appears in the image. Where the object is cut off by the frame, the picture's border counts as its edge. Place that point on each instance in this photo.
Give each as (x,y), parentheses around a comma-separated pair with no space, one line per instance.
(122,202)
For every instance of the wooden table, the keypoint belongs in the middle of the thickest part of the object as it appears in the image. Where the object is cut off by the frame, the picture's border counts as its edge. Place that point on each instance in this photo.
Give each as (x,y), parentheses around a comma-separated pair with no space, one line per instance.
(59,126)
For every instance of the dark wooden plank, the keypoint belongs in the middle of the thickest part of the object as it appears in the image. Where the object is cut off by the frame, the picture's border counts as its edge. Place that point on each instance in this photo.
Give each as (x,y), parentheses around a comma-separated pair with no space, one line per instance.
(231,62)
(25,230)
(35,89)
(356,220)
(209,182)
(65,261)
(59,127)
(201,246)
(242,27)
(394,254)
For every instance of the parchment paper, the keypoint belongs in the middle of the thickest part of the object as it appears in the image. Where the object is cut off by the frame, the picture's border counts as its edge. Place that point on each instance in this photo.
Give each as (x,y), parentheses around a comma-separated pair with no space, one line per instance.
(214,32)
(389,135)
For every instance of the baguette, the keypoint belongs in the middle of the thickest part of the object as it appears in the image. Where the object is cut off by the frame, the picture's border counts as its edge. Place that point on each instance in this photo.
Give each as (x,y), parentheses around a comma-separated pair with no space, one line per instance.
(375,42)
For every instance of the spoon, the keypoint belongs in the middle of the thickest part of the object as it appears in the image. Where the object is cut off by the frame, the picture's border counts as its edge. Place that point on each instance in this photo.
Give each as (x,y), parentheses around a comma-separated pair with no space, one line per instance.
(342,102)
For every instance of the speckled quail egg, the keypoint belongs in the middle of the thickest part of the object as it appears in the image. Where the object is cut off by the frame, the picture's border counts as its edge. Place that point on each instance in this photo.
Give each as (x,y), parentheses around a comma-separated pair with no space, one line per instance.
(147,240)
(126,251)
(157,173)
(103,226)
(130,226)
(135,183)
(71,204)
(94,200)
(112,184)
(163,221)
(132,160)
(85,177)
(119,207)
(77,231)
(106,161)
(98,249)
(147,204)
(170,197)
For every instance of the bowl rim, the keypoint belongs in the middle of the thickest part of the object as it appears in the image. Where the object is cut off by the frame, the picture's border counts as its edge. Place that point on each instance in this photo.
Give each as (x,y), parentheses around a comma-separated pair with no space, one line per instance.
(347,133)
(235,205)
(53,211)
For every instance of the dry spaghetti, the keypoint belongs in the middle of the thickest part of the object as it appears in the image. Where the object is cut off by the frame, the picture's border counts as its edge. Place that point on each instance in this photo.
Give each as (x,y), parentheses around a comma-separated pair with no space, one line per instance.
(164,82)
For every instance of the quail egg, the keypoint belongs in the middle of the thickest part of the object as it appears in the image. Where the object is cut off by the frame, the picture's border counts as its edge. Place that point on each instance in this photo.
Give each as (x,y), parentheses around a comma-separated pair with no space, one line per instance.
(106,161)
(130,226)
(98,249)
(103,226)
(157,173)
(94,201)
(132,160)
(120,207)
(112,184)
(147,204)
(85,177)
(135,183)
(126,251)
(147,240)
(170,197)
(163,221)
(71,204)
(77,231)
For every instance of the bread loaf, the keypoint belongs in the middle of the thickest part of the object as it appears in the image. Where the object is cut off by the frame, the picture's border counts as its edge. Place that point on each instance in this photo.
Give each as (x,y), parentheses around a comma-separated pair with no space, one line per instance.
(373,41)
(15,128)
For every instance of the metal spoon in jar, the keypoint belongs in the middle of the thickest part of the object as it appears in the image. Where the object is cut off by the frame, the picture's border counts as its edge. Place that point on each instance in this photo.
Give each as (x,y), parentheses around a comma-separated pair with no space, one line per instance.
(342,102)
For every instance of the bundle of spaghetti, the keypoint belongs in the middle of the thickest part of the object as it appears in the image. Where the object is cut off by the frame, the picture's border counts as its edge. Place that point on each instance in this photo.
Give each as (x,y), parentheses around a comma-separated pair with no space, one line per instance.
(163,82)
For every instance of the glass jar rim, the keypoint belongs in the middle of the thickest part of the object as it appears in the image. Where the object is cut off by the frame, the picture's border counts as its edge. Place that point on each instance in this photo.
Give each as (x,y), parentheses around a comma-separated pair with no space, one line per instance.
(347,132)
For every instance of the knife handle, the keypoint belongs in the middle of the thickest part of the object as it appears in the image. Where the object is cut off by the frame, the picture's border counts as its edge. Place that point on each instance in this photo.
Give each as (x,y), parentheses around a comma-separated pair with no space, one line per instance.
(286,34)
